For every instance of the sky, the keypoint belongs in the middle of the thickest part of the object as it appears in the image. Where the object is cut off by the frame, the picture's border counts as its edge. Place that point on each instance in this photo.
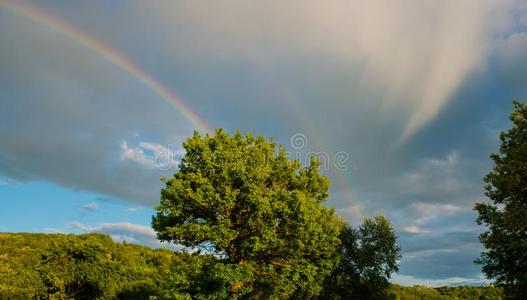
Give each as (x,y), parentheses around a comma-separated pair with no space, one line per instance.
(404,100)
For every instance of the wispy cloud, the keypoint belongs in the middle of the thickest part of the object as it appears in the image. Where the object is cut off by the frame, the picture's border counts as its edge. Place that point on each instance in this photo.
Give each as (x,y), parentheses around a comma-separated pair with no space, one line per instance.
(9,181)
(414,229)
(134,209)
(452,281)
(117,228)
(417,68)
(124,231)
(90,207)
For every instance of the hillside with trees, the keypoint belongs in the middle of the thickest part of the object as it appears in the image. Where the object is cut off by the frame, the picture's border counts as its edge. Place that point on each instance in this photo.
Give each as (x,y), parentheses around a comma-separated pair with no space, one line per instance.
(92,266)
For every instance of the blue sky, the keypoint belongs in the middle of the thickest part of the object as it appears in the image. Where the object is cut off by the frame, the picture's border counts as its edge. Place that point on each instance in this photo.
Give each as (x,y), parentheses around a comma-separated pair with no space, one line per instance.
(404,98)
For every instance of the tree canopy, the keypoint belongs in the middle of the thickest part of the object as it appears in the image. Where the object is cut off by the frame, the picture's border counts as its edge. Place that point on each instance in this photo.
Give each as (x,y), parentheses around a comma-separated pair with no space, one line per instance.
(258,210)
(369,255)
(506,214)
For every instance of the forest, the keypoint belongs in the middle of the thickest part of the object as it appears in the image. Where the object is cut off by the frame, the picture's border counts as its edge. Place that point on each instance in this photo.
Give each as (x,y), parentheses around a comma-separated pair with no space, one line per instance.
(90,266)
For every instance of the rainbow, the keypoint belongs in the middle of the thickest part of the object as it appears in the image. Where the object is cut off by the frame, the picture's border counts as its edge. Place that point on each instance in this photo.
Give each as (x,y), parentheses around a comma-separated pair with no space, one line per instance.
(341,178)
(119,60)
(110,55)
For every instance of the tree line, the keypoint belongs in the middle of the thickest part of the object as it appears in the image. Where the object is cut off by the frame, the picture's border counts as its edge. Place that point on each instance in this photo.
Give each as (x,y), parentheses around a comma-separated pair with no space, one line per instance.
(92,266)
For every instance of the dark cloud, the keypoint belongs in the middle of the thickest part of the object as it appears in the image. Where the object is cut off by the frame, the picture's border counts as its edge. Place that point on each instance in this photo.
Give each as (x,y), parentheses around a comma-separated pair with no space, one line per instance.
(457,240)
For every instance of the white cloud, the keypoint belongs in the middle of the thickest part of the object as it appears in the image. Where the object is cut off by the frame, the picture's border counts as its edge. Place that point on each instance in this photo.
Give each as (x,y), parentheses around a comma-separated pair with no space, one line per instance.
(90,207)
(125,238)
(407,280)
(435,210)
(151,155)
(134,209)
(124,231)
(53,230)
(447,164)
(117,228)
(441,177)
(414,229)
(136,155)
(9,181)
(422,213)
(127,232)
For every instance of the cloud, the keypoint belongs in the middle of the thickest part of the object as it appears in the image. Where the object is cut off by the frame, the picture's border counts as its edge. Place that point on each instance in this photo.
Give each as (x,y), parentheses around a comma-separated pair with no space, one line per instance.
(134,209)
(90,207)
(422,187)
(9,181)
(53,230)
(417,68)
(124,232)
(367,61)
(437,239)
(423,213)
(151,155)
(435,209)
(453,281)
(414,229)
(441,263)
(118,228)
(66,126)
(511,64)
(441,175)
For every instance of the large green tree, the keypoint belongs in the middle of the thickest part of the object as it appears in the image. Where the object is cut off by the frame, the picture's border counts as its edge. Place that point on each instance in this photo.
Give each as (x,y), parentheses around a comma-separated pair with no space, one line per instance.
(369,256)
(258,211)
(506,214)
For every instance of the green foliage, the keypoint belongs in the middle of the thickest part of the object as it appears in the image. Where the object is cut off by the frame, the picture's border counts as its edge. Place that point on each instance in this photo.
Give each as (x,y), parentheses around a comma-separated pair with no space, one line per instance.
(506,215)
(88,266)
(19,254)
(417,292)
(470,292)
(34,265)
(369,255)
(92,266)
(256,209)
